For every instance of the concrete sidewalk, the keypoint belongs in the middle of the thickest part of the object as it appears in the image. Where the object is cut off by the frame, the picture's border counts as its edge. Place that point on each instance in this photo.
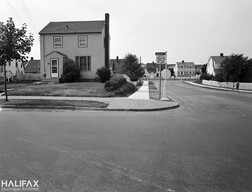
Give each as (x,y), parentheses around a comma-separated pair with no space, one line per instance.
(142,93)
(139,101)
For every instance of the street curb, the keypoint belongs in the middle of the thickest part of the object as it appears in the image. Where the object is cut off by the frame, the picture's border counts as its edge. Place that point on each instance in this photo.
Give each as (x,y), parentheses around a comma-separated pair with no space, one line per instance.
(217,88)
(73,108)
(149,109)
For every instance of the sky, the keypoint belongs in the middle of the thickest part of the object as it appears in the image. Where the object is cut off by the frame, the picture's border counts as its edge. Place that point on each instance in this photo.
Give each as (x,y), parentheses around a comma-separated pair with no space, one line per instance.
(189,30)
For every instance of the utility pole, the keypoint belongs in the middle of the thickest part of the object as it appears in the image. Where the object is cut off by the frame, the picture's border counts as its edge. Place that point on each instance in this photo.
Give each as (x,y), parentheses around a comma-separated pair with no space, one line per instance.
(159,81)
(5,83)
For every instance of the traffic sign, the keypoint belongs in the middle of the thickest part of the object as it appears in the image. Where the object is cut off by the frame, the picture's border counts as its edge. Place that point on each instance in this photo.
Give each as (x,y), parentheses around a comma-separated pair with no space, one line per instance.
(166,74)
(161,57)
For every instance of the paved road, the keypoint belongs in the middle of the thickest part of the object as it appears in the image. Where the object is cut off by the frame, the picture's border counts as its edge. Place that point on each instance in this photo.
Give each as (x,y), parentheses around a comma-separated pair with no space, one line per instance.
(205,145)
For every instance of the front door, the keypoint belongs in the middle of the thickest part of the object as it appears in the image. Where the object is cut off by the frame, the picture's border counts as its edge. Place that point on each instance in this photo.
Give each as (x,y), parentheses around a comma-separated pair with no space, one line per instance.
(55,67)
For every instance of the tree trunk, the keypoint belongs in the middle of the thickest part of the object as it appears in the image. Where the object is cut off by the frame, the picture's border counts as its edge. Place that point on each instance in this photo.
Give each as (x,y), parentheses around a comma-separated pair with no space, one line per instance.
(5,84)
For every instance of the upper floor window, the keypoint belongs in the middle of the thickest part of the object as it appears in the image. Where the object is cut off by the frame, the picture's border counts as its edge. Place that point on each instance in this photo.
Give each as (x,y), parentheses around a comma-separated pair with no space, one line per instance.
(182,66)
(82,41)
(57,41)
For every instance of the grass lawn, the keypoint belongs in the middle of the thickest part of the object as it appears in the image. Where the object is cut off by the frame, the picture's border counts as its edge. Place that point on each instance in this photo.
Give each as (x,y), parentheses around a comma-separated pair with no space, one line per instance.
(81,89)
(13,85)
(52,103)
(153,91)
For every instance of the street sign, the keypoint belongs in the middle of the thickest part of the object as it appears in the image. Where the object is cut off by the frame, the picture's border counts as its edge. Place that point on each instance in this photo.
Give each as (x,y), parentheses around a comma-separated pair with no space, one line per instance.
(166,74)
(161,57)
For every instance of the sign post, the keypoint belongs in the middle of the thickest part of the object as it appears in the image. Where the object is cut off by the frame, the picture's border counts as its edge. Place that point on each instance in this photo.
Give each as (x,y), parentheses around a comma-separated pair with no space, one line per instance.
(161,59)
(166,73)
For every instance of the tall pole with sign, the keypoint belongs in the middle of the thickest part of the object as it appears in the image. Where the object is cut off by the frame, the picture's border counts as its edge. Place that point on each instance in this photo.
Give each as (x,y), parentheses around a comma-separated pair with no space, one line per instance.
(161,59)
(165,74)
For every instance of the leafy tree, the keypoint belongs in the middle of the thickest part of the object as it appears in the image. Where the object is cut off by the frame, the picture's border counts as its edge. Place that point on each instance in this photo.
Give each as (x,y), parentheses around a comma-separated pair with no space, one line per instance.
(247,71)
(14,44)
(232,68)
(104,74)
(71,72)
(203,68)
(132,67)
(172,72)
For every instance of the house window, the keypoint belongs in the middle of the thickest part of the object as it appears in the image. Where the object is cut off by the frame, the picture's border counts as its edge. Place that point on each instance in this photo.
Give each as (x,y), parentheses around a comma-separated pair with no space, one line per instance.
(182,66)
(83,41)
(181,72)
(57,41)
(1,69)
(84,63)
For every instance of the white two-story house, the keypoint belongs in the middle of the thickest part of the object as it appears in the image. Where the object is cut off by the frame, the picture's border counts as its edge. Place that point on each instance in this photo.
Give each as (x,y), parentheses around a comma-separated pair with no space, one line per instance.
(214,63)
(85,42)
(184,69)
(14,70)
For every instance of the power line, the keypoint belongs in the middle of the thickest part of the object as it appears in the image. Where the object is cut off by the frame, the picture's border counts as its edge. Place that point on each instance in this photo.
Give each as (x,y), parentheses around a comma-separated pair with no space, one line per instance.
(14,11)
(28,15)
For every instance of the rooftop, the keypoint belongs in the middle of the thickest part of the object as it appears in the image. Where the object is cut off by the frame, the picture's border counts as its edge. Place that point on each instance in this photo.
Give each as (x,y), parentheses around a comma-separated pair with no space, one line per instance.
(76,27)
(32,66)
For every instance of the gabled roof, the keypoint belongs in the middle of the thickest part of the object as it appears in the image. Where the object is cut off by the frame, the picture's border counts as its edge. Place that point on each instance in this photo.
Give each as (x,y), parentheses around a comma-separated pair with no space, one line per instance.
(116,61)
(116,64)
(32,66)
(186,63)
(57,53)
(73,27)
(218,59)
(151,67)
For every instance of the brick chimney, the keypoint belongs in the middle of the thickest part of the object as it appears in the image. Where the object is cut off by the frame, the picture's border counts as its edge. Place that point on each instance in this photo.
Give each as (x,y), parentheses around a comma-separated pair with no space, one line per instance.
(221,54)
(106,40)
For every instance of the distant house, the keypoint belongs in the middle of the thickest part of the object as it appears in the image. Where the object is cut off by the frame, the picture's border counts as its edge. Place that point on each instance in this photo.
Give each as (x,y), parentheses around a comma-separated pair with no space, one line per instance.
(152,70)
(85,42)
(33,66)
(115,65)
(198,68)
(184,69)
(13,69)
(213,64)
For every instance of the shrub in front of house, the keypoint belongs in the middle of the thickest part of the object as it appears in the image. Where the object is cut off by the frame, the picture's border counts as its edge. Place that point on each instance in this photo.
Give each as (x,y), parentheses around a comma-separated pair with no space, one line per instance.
(206,76)
(71,72)
(126,89)
(115,83)
(104,74)
(218,77)
(120,86)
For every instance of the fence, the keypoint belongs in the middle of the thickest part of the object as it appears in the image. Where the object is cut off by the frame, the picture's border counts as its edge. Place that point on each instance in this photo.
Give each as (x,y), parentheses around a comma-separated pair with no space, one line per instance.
(245,86)
(29,77)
